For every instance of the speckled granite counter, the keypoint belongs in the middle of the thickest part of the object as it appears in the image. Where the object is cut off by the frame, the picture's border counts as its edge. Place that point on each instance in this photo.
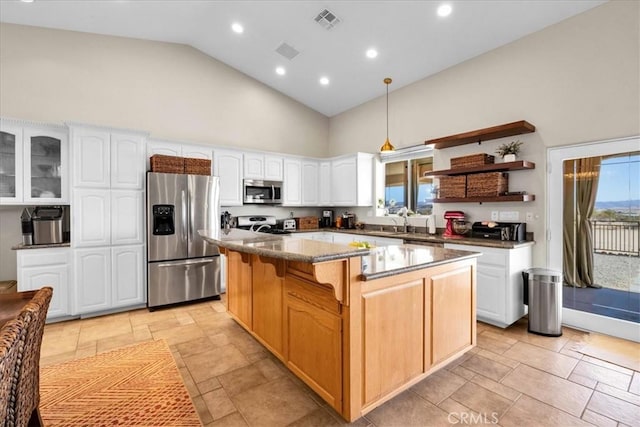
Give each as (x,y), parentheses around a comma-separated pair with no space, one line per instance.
(376,263)
(427,238)
(396,259)
(20,246)
(291,247)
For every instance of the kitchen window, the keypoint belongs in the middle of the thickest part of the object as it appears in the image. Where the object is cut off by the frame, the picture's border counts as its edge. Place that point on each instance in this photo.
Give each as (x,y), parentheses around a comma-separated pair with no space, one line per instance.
(404,182)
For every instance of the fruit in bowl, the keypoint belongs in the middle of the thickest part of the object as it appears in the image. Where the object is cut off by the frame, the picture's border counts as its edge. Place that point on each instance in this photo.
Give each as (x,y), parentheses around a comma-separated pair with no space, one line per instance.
(361,245)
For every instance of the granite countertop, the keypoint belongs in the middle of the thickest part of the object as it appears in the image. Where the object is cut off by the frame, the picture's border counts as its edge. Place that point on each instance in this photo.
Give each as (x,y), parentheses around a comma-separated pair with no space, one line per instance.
(376,262)
(397,259)
(290,247)
(427,238)
(20,246)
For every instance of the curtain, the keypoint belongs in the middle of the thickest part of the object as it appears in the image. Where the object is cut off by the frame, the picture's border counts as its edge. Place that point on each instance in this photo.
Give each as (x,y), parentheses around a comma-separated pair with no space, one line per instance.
(580,189)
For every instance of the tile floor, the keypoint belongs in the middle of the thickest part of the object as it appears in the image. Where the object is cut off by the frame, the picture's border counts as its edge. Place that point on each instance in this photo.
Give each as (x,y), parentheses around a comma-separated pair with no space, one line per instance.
(512,378)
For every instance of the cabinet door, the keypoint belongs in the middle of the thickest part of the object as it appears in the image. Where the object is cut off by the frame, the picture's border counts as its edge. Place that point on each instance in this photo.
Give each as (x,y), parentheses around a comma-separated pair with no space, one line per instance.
(268,285)
(165,148)
(91,158)
(91,218)
(311,331)
(92,279)
(227,165)
(127,161)
(197,151)
(452,298)
(126,217)
(46,159)
(254,166)
(324,184)
(127,282)
(491,289)
(46,267)
(309,183)
(292,182)
(273,168)
(344,182)
(11,164)
(239,290)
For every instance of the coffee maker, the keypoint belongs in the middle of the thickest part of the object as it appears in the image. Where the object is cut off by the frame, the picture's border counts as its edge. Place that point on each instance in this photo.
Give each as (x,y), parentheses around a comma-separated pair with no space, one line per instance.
(326,220)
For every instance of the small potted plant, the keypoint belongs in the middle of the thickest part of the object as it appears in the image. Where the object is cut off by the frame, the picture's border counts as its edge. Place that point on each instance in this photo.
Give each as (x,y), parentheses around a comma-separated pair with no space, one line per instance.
(509,151)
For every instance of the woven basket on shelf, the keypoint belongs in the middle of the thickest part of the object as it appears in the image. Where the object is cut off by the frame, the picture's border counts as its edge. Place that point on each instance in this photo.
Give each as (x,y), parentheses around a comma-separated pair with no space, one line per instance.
(453,186)
(472,160)
(167,164)
(487,184)
(197,166)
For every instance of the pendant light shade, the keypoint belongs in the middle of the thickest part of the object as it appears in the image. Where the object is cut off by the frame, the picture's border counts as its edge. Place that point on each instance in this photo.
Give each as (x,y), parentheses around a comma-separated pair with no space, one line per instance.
(387,146)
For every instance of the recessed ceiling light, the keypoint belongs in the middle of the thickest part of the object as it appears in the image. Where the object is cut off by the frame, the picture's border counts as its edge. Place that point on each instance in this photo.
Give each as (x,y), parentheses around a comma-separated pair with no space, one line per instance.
(444,10)
(372,53)
(324,81)
(237,28)
(281,71)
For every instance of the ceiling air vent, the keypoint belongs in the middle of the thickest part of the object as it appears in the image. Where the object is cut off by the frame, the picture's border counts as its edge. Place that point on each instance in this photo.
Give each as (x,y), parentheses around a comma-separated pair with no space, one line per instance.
(327,19)
(287,51)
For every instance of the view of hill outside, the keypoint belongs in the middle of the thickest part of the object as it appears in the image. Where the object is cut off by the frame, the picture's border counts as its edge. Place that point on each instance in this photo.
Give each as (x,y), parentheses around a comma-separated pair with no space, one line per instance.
(618,196)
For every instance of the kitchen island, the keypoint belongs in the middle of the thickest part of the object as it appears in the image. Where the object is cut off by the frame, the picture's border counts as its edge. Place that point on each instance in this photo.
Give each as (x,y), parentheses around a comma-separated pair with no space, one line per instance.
(358,326)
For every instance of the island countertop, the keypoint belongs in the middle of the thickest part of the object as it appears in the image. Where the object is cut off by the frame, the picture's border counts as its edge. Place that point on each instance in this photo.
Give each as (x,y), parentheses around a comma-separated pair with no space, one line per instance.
(376,262)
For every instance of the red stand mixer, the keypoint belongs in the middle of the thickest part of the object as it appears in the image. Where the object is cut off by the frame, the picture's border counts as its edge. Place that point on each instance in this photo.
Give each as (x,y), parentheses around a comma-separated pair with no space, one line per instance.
(452,217)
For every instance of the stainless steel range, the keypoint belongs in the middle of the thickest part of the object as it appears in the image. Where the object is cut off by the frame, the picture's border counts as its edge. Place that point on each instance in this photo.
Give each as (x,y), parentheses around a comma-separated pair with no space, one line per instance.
(264,224)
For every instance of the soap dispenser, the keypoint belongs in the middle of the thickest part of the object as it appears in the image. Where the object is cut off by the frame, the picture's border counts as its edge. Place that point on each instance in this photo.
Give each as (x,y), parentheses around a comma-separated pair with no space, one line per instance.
(431,224)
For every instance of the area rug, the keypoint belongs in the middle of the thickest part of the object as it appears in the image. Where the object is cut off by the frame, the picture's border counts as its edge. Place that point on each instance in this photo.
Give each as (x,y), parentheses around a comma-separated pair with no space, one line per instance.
(138,385)
(614,350)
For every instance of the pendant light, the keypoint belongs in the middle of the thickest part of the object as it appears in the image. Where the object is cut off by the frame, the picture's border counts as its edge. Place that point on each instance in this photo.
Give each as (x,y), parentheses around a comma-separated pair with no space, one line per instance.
(387,145)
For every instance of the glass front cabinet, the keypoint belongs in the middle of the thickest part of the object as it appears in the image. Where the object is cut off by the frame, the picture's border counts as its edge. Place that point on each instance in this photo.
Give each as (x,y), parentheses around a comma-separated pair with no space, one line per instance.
(34,163)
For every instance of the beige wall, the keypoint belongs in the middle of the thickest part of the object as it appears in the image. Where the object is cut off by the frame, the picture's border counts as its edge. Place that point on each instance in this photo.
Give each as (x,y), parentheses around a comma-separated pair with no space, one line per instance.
(576,81)
(172,91)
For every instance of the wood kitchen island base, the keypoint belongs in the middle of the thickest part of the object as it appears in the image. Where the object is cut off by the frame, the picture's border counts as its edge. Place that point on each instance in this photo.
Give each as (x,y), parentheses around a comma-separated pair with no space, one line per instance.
(355,342)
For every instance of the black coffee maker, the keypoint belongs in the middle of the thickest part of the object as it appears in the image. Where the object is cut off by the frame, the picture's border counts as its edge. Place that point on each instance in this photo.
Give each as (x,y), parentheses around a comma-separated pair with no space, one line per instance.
(326,220)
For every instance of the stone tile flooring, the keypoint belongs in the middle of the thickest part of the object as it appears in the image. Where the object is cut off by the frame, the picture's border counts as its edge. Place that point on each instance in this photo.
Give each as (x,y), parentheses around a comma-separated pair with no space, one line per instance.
(512,378)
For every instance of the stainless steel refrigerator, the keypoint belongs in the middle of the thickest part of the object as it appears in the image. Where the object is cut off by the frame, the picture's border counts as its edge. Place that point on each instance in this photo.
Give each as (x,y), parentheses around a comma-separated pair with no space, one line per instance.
(182,266)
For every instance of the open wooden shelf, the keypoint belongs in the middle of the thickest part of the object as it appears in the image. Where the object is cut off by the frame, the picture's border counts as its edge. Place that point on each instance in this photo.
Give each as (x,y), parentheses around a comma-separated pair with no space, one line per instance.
(486,134)
(511,198)
(492,167)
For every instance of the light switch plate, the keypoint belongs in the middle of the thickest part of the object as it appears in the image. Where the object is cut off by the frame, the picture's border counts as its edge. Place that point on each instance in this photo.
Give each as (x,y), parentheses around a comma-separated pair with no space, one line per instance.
(529,216)
(494,215)
(509,215)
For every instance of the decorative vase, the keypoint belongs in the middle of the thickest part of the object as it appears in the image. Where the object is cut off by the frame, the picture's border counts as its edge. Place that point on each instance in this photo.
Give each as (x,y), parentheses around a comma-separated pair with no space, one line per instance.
(509,158)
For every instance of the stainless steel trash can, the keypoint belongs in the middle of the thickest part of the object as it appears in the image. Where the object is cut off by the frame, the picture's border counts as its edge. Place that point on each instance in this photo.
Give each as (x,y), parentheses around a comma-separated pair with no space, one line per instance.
(543,293)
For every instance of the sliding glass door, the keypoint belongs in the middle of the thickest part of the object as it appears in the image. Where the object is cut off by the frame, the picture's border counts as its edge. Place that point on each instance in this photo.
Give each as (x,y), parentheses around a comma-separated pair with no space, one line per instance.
(593,218)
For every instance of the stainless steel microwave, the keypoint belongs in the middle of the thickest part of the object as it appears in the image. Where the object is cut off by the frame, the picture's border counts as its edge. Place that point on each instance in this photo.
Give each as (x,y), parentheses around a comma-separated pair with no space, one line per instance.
(257,191)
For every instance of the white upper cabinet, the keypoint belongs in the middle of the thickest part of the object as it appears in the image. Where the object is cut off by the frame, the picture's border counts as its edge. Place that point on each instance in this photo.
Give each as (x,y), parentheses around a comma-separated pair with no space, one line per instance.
(127,161)
(352,180)
(227,164)
(310,177)
(107,159)
(165,148)
(292,183)
(324,183)
(197,151)
(91,210)
(127,215)
(263,166)
(91,158)
(273,168)
(34,163)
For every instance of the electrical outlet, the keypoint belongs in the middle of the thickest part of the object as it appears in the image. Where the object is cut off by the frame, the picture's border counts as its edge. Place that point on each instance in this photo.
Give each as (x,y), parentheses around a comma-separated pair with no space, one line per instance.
(529,216)
(509,215)
(494,215)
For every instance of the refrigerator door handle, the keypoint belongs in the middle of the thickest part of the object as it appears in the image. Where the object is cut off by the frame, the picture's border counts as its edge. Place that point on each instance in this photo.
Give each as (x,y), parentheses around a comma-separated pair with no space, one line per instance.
(192,262)
(191,217)
(185,217)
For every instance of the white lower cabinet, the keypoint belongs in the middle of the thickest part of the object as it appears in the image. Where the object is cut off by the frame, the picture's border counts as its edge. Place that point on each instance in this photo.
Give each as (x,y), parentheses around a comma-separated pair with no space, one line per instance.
(127,276)
(47,267)
(109,278)
(93,279)
(499,293)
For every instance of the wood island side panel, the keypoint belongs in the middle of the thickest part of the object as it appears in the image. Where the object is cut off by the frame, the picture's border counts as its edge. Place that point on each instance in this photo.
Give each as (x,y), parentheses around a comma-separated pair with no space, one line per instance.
(239,290)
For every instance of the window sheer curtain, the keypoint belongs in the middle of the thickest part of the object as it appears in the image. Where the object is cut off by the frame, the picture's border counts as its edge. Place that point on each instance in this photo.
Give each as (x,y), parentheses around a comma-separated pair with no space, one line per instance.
(580,189)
